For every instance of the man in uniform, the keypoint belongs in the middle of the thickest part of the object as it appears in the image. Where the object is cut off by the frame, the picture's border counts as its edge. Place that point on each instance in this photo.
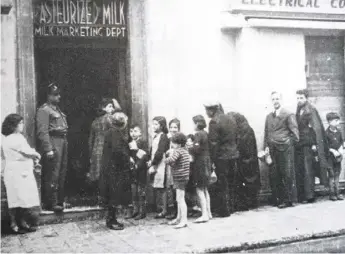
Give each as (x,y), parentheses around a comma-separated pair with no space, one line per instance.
(224,154)
(281,134)
(52,136)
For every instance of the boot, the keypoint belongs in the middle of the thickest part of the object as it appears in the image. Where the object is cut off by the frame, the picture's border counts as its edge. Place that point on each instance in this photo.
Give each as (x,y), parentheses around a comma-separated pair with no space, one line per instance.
(14,214)
(111,221)
(142,209)
(332,194)
(337,191)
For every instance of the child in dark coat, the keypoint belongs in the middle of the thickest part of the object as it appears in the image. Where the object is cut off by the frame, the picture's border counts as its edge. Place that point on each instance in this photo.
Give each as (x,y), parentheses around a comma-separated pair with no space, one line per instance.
(139,155)
(336,148)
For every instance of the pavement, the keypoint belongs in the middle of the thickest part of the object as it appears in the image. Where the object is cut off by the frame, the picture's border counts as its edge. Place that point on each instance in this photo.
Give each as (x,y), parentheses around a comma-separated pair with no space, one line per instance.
(261,228)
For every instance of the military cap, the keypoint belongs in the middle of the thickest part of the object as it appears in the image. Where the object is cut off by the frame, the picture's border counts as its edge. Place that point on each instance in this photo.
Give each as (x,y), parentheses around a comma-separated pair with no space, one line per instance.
(53,89)
(331,116)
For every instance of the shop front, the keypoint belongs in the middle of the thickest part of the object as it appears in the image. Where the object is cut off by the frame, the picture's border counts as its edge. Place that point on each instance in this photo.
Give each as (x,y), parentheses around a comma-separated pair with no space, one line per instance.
(90,50)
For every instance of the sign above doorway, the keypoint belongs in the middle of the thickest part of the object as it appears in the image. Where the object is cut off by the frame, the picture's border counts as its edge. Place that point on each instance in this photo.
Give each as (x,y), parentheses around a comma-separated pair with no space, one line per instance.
(80,18)
(291,9)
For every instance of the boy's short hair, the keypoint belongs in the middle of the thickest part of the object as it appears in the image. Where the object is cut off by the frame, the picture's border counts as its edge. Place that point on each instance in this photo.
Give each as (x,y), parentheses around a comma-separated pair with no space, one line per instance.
(332,116)
(179,138)
(303,92)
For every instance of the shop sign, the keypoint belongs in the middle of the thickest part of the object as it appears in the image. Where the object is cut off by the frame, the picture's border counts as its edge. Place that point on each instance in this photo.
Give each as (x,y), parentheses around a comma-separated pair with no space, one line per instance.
(325,7)
(81,18)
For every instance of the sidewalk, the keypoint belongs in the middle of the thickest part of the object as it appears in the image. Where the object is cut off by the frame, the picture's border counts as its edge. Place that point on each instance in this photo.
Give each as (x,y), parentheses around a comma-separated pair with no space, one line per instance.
(258,228)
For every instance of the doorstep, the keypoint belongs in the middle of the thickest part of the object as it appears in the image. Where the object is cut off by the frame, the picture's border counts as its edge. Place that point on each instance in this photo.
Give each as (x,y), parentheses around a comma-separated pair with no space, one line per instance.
(72,214)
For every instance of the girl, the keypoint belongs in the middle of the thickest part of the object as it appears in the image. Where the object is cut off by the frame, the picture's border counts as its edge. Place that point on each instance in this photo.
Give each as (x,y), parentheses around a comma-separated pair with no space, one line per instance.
(174,127)
(179,161)
(116,174)
(157,166)
(201,167)
(20,182)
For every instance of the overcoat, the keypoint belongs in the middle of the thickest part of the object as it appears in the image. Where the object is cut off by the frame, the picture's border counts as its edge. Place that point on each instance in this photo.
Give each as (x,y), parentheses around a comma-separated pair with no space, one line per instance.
(19,179)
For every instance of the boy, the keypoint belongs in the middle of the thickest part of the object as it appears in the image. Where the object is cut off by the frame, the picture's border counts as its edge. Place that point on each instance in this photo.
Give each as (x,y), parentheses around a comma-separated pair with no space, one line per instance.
(139,156)
(179,161)
(336,148)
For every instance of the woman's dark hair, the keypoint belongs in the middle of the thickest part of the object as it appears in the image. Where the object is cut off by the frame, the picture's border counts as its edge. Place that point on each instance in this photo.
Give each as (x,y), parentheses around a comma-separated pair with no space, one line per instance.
(179,138)
(10,124)
(191,136)
(177,122)
(200,122)
(162,122)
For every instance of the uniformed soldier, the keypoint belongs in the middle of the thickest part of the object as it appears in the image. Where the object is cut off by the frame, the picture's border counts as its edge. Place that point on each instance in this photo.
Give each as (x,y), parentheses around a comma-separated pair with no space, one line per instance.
(52,136)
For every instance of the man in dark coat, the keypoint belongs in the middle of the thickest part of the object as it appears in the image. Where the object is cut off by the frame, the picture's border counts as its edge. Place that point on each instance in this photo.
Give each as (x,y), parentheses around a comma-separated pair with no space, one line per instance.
(281,133)
(52,139)
(115,178)
(248,175)
(224,154)
(312,143)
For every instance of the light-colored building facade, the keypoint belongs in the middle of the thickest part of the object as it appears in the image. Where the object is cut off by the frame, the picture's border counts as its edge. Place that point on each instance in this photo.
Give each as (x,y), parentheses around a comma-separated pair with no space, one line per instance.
(169,57)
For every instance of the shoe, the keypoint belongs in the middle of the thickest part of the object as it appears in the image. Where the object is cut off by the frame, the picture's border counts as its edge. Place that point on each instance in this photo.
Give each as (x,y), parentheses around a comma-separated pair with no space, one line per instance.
(171,216)
(16,230)
(57,208)
(333,198)
(201,220)
(340,197)
(160,216)
(311,200)
(140,216)
(24,226)
(173,222)
(181,225)
(115,226)
(134,215)
(285,205)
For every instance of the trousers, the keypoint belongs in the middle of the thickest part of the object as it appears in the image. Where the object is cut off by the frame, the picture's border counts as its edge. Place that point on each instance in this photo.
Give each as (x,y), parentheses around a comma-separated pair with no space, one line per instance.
(54,174)
(226,173)
(305,174)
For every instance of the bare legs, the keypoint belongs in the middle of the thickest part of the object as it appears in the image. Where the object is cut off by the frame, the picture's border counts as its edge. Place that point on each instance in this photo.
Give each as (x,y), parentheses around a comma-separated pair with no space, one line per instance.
(204,199)
(181,220)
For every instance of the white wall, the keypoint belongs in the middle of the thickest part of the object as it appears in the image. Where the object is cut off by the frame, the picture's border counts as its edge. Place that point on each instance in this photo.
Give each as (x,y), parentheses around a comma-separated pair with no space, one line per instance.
(266,61)
(189,59)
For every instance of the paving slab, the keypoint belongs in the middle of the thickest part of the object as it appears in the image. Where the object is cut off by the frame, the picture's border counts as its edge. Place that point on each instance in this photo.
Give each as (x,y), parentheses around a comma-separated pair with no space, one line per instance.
(263,227)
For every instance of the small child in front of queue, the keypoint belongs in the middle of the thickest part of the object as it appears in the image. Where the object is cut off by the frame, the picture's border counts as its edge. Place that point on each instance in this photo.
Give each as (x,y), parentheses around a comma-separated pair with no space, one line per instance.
(179,161)
(336,147)
(139,157)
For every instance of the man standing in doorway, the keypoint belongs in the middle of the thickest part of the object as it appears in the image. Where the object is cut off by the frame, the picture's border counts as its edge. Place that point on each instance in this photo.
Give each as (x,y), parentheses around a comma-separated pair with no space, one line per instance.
(224,154)
(281,132)
(52,136)
(312,144)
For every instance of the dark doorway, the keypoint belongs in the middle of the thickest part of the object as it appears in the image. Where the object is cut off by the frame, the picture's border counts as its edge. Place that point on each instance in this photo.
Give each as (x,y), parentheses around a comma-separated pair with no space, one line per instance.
(84,75)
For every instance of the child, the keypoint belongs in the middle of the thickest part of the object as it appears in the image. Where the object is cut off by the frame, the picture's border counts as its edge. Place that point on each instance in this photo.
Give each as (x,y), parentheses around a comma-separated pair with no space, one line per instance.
(20,182)
(180,166)
(174,127)
(160,145)
(336,146)
(202,167)
(139,155)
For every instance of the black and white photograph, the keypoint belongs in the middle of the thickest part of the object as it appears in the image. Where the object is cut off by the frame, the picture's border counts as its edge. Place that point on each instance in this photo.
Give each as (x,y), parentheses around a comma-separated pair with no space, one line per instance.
(172,126)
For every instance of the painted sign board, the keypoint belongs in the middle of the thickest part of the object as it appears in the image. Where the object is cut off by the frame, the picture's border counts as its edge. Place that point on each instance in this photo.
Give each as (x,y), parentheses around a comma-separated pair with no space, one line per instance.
(80,18)
(312,9)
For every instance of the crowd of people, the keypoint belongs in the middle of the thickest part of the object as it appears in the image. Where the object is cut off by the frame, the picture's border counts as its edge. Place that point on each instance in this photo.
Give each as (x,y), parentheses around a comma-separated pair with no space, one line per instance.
(224,159)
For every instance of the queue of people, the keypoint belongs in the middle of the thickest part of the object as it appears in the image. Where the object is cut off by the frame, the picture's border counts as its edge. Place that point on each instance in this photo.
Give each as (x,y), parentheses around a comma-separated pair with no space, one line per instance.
(218,168)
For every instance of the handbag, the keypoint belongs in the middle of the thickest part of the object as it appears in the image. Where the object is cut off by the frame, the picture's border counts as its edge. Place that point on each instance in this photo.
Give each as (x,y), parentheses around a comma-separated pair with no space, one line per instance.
(213,177)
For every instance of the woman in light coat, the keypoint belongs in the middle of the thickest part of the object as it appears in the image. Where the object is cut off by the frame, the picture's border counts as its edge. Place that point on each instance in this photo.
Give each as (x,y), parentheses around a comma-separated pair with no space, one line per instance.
(19,179)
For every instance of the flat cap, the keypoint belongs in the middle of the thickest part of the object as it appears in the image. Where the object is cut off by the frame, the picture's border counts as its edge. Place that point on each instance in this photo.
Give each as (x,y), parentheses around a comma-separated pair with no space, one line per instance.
(331,116)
